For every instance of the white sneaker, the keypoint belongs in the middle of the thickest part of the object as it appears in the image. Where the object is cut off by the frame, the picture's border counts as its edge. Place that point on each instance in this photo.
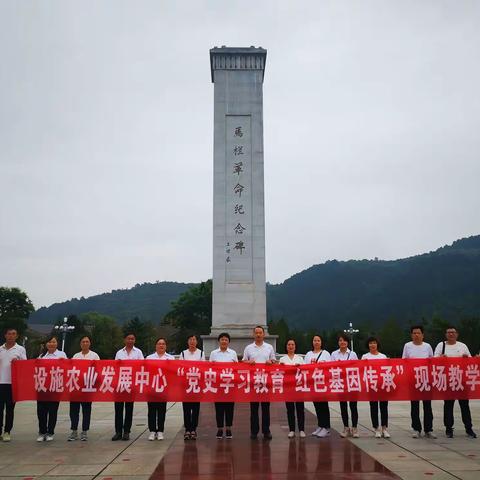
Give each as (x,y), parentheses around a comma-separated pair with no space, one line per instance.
(430,435)
(378,433)
(152,436)
(48,438)
(345,433)
(41,438)
(355,433)
(159,435)
(385,433)
(302,434)
(316,432)
(415,434)
(5,436)
(324,433)
(291,434)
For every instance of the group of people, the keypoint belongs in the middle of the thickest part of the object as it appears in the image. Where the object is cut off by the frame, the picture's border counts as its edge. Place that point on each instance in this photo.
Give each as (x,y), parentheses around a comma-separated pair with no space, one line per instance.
(258,352)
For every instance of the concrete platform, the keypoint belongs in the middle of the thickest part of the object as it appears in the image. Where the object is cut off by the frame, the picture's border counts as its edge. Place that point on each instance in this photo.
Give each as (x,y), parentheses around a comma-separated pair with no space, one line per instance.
(138,459)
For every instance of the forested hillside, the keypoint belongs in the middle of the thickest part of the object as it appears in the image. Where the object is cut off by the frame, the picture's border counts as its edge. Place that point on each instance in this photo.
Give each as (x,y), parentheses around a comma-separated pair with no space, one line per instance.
(444,283)
(148,301)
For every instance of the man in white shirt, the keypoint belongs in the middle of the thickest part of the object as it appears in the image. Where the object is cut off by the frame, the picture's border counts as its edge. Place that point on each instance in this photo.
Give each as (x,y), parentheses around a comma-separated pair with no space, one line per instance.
(10,351)
(259,352)
(452,348)
(123,426)
(417,348)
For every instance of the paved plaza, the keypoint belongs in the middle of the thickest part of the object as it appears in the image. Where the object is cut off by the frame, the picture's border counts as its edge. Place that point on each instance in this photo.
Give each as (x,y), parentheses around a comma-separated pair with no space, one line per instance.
(240,458)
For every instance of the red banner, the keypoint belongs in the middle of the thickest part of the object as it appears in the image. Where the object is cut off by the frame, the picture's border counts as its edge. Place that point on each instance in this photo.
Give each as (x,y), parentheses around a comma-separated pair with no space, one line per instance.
(175,380)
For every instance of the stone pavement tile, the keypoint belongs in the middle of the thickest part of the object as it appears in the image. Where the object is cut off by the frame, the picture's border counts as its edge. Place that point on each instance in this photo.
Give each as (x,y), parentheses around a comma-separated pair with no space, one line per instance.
(422,476)
(142,457)
(400,455)
(76,470)
(122,477)
(410,466)
(419,444)
(66,477)
(443,455)
(26,470)
(467,475)
(453,465)
(131,468)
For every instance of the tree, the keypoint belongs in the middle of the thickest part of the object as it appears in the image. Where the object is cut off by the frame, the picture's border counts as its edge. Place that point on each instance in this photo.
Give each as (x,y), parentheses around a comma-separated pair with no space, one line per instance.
(392,338)
(280,328)
(105,332)
(15,308)
(191,313)
(144,332)
(469,333)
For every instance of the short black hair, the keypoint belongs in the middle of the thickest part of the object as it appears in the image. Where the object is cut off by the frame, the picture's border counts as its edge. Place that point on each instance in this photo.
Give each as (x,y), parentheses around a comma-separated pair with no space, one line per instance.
(224,334)
(160,338)
(372,339)
(343,336)
(192,336)
(259,326)
(415,327)
(10,329)
(86,336)
(126,334)
(49,338)
(451,327)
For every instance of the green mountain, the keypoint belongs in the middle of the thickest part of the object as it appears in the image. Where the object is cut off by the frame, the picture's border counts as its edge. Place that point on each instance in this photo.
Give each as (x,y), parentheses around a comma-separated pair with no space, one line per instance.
(444,283)
(148,301)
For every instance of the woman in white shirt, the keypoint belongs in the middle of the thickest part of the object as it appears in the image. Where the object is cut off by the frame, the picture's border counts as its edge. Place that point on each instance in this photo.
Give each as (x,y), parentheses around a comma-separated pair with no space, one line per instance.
(47,411)
(291,358)
(84,354)
(342,354)
(158,410)
(316,355)
(191,410)
(373,354)
(224,410)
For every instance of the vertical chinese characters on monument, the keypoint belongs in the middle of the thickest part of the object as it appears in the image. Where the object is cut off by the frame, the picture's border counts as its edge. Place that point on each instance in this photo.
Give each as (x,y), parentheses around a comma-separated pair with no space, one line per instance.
(238,248)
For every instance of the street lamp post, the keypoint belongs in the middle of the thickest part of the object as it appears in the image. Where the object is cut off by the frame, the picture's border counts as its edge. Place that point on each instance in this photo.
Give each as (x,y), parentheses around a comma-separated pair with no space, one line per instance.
(64,328)
(351,332)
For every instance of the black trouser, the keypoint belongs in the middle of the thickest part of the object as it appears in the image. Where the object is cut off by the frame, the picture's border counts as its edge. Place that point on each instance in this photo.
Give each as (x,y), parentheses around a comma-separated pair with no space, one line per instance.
(6,402)
(47,417)
(427,416)
(300,408)
(75,415)
(323,414)
(121,425)
(383,413)
(191,412)
(448,414)
(224,414)
(353,411)
(254,423)
(156,416)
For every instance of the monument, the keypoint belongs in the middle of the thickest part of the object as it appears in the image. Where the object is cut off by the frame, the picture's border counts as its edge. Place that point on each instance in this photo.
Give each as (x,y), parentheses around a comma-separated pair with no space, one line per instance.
(239,300)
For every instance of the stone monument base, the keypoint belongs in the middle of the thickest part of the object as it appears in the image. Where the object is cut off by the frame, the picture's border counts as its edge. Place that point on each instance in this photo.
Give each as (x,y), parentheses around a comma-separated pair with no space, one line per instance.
(240,338)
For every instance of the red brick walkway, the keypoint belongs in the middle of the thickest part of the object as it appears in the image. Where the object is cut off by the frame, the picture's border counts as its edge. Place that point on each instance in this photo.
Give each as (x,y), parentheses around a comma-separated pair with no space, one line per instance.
(280,458)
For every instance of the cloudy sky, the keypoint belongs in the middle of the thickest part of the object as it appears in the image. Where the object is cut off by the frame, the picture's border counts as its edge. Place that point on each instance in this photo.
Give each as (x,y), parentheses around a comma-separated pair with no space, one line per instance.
(371,114)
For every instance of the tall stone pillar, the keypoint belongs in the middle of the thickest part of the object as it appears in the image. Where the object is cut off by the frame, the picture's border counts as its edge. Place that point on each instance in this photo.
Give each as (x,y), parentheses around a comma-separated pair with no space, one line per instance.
(239,302)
